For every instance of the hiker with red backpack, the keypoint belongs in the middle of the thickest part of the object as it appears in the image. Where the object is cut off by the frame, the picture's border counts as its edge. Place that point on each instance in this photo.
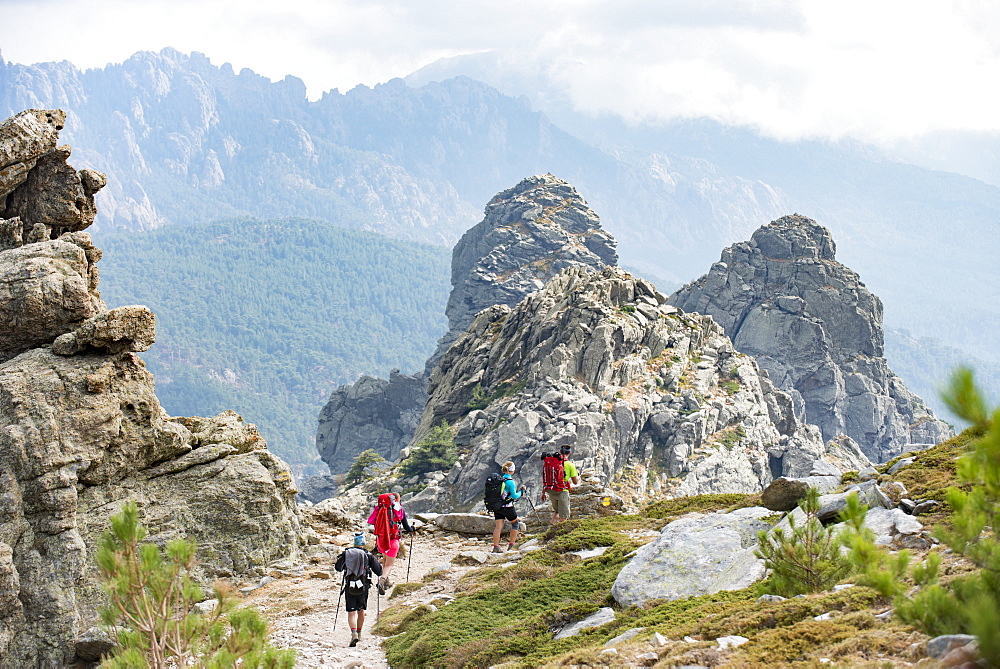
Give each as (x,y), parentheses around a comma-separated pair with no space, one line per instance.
(559,475)
(387,516)
(499,497)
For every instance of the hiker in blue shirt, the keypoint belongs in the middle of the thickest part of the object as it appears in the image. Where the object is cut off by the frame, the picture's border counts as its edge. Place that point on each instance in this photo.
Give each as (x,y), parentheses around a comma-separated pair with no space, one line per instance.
(511,493)
(358,565)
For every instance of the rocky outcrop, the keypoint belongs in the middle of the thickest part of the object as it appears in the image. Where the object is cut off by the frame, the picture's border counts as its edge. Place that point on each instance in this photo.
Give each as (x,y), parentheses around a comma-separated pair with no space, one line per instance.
(528,235)
(81,429)
(817,330)
(652,399)
(375,413)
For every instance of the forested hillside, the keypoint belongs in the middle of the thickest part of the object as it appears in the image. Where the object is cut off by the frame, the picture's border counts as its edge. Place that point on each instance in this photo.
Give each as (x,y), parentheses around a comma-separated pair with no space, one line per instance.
(265,316)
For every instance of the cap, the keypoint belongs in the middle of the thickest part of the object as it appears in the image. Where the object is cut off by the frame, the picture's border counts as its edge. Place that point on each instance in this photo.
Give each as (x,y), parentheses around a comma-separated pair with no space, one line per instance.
(359,538)
(565,450)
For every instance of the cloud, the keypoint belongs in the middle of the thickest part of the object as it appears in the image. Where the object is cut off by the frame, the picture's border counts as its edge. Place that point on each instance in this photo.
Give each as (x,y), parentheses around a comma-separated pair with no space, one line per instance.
(874,70)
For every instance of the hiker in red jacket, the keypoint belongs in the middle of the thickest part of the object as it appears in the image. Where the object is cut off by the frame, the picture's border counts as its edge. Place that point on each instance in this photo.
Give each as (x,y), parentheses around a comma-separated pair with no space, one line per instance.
(387,516)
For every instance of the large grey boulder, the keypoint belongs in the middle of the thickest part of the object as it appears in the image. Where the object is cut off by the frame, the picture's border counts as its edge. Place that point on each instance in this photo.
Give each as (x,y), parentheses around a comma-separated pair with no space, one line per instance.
(466,523)
(813,325)
(695,555)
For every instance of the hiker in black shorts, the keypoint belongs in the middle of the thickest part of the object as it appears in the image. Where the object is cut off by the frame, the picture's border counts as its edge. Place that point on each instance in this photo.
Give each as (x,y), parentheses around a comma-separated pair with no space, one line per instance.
(359,565)
(510,494)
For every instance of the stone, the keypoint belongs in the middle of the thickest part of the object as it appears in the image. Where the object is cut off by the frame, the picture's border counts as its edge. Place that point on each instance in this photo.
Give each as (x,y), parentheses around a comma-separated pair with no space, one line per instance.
(813,325)
(902,462)
(868,474)
(95,643)
(625,636)
(771,598)
(470,558)
(694,555)
(783,494)
(600,617)
(940,646)
(925,506)
(659,640)
(730,642)
(47,289)
(121,329)
(466,523)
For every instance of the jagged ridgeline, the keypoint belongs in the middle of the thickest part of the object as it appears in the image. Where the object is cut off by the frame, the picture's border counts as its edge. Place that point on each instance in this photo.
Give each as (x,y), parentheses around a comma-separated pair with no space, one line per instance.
(82,431)
(265,317)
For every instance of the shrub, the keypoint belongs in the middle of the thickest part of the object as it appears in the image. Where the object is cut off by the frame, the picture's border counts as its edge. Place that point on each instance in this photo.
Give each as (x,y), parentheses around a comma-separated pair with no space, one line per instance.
(435,453)
(153,598)
(808,560)
(361,467)
(479,400)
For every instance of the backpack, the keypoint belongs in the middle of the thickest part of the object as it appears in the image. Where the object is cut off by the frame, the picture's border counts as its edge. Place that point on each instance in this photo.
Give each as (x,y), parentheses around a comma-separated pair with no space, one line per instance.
(386,525)
(553,472)
(356,585)
(493,493)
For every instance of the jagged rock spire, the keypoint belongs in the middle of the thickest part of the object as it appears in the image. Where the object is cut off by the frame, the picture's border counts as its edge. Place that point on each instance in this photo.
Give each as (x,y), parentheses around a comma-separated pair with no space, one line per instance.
(813,325)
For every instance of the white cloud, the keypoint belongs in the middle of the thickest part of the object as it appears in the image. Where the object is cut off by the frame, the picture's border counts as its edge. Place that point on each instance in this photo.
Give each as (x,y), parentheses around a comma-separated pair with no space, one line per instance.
(874,69)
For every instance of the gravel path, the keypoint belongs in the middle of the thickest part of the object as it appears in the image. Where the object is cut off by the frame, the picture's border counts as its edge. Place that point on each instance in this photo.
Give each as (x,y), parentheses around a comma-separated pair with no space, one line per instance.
(301,604)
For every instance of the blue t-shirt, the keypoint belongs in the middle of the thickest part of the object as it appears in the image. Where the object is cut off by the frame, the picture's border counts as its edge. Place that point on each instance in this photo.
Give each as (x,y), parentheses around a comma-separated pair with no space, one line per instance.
(510,490)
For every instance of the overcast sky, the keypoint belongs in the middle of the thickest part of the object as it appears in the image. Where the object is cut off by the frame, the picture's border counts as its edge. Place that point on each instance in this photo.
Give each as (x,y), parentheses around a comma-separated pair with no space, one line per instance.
(872,69)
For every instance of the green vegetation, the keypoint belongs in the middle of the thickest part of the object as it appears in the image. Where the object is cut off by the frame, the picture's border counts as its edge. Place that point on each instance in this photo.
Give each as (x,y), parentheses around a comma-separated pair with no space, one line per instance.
(969,603)
(730,386)
(671,509)
(805,560)
(361,468)
(267,317)
(151,597)
(436,452)
(627,308)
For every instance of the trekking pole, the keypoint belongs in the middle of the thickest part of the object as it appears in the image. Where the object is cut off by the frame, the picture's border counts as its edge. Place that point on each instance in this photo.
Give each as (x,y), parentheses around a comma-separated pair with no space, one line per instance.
(343,582)
(528,497)
(409,557)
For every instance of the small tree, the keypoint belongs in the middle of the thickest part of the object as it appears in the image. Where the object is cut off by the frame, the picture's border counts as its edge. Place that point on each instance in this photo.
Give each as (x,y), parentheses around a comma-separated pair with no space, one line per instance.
(363,463)
(808,560)
(153,598)
(435,453)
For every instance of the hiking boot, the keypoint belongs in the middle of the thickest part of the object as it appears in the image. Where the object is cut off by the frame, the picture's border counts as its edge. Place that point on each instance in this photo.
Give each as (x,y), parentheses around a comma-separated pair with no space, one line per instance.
(497,549)
(510,547)
(354,638)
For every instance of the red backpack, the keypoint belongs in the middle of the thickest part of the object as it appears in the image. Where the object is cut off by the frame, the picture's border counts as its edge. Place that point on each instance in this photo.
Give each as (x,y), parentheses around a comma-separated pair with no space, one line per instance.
(386,525)
(553,472)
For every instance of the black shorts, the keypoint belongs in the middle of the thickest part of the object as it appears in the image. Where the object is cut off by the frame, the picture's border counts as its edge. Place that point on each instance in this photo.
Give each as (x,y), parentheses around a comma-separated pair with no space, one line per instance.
(356,602)
(506,513)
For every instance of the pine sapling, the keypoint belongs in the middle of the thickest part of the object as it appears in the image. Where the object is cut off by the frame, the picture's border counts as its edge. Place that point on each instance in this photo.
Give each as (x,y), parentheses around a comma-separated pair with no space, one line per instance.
(805,561)
(152,603)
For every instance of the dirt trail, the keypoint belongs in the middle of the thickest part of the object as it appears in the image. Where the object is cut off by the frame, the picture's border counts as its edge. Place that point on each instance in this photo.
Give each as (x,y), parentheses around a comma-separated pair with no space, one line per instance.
(301,604)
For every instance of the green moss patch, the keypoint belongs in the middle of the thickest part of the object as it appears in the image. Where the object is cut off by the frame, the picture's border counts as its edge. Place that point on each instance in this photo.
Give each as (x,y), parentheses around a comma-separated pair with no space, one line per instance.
(677,507)
(403,589)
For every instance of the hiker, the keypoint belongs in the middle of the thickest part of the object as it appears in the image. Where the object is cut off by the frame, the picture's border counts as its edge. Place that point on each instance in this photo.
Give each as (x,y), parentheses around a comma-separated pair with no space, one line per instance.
(357,563)
(386,518)
(559,475)
(508,494)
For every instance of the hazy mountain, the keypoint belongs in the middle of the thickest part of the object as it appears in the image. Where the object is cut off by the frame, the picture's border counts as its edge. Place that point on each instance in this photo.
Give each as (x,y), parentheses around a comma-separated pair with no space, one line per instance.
(185,141)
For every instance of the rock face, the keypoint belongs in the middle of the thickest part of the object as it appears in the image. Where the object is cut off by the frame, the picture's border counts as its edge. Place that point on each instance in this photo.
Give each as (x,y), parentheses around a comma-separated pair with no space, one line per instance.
(81,430)
(653,400)
(530,232)
(809,321)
